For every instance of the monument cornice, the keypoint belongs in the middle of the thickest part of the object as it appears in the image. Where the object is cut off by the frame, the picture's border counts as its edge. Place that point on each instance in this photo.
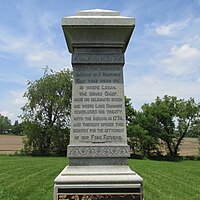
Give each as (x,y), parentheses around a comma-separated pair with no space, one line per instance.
(97,58)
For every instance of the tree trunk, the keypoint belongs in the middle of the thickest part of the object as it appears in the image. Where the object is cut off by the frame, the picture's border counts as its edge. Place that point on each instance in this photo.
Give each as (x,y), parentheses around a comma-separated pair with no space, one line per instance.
(171,152)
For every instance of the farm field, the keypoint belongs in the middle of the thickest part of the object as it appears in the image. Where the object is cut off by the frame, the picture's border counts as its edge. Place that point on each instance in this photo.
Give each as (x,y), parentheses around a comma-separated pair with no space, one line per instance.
(189,147)
(31,178)
(9,144)
(12,144)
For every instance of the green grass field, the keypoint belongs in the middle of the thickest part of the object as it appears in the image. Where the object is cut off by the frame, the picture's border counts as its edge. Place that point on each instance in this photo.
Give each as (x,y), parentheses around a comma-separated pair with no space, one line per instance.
(31,178)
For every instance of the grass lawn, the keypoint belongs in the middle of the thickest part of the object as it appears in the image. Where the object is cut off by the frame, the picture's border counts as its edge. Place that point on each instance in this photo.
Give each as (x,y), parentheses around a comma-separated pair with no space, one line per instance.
(31,178)
(169,180)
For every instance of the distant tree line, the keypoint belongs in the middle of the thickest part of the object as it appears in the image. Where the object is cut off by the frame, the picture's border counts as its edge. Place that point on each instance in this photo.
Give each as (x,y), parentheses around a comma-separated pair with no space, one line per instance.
(7,128)
(157,128)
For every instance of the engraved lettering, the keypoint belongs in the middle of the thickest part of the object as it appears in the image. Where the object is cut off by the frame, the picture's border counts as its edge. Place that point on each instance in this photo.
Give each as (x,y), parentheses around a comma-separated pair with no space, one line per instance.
(94,87)
(117,99)
(87,106)
(105,81)
(94,58)
(99,105)
(85,112)
(114,111)
(78,99)
(75,130)
(95,93)
(78,118)
(76,106)
(113,105)
(107,87)
(83,93)
(88,118)
(110,93)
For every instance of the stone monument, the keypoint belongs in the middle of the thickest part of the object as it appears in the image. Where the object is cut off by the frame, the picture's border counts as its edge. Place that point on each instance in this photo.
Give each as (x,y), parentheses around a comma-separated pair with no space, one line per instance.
(98,151)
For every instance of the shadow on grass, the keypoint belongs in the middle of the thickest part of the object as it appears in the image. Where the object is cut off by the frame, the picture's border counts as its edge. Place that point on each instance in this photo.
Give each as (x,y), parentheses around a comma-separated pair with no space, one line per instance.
(165,158)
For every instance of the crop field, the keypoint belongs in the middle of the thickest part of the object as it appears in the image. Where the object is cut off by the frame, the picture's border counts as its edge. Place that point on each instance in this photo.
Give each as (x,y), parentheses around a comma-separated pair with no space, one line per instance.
(31,178)
(9,144)
(12,144)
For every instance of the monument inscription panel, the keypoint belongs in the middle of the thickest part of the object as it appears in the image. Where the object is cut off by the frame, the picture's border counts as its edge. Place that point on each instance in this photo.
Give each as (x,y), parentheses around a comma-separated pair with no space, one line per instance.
(98,105)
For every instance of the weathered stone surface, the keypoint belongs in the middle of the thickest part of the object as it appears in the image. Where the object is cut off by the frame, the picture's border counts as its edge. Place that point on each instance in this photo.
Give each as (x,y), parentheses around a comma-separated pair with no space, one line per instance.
(101,179)
(98,17)
(98,161)
(98,109)
(98,12)
(98,174)
(97,58)
(98,151)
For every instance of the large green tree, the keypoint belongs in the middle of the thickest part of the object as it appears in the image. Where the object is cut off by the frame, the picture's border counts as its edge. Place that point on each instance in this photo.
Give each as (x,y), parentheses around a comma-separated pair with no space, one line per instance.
(46,115)
(141,140)
(164,122)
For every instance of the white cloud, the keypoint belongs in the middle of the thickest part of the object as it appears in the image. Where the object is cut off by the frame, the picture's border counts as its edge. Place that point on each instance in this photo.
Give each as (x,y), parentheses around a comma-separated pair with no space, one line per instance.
(182,60)
(17,98)
(35,53)
(7,114)
(9,77)
(37,44)
(184,52)
(145,89)
(165,30)
(172,28)
(11,43)
(11,106)
(42,57)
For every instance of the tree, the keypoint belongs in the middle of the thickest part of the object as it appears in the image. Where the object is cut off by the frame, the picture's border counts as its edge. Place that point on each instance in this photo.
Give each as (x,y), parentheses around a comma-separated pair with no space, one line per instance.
(170,120)
(46,115)
(129,110)
(130,114)
(5,124)
(140,140)
(195,131)
(131,127)
(164,122)
(17,128)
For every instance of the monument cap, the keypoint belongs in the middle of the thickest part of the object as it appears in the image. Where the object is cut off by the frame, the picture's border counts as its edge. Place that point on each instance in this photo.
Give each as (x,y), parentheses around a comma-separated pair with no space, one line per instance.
(106,28)
(98,17)
(98,12)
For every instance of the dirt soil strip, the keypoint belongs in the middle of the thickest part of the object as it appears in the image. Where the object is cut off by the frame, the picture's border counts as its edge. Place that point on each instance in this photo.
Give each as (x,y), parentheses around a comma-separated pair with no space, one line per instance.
(189,147)
(10,144)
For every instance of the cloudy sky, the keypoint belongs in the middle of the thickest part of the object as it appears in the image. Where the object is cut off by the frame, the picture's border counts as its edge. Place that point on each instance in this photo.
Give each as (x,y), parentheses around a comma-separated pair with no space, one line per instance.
(163,56)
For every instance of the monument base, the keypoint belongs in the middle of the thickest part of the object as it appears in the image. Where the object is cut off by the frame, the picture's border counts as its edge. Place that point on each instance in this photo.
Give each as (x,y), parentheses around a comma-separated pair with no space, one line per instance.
(98,182)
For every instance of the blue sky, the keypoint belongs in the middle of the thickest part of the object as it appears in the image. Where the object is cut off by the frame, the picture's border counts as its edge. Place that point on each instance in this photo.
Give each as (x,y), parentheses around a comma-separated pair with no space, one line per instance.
(163,56)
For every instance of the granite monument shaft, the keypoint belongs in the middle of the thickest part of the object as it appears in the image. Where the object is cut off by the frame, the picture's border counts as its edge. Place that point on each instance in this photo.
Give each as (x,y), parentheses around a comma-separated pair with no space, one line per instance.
(98,151)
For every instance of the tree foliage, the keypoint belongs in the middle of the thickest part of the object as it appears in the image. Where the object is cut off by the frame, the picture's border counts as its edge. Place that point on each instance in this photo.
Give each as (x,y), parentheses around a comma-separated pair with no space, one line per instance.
(46,115)
(5,124)
(164,122)
(17,128)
